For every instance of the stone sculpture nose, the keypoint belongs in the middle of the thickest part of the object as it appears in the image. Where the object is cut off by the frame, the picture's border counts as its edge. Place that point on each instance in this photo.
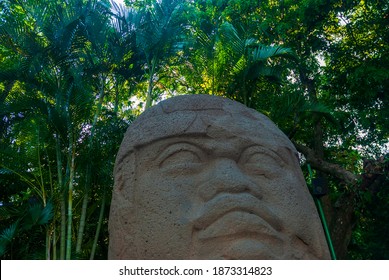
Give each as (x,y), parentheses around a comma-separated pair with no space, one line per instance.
(225,176)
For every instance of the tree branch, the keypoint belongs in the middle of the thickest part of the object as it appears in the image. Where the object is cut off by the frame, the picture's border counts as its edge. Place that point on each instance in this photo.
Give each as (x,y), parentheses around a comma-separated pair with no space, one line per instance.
(327,167)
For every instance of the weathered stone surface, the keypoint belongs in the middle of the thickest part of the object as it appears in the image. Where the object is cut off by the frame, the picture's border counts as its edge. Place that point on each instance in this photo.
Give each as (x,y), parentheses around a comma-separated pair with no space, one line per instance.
(204,177)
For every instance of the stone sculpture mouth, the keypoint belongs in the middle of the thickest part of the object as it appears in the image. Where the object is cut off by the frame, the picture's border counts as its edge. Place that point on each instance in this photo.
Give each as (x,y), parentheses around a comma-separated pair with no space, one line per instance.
(240,224)
(243,212)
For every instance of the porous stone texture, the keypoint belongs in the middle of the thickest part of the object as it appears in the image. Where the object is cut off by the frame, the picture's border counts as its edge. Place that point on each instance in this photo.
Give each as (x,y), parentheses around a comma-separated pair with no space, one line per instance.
(205,177)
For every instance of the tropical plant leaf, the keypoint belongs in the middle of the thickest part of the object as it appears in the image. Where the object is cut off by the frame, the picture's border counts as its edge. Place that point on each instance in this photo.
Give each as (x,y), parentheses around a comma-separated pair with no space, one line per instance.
(37,215)
(263,52)
(46,214)
(7,236)
(231,39)
(9,233)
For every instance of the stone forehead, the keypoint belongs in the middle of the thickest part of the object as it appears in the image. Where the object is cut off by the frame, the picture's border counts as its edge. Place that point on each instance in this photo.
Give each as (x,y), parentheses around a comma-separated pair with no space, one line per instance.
(196,103)
(194,115)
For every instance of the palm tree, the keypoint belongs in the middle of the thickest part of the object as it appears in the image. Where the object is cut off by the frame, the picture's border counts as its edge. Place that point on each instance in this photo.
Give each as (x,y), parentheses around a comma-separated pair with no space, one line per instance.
(68,61)
(236,63)
(159,26)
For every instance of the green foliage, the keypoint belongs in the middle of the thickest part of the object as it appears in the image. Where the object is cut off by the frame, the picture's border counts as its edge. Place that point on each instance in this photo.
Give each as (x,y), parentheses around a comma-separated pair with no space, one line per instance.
(26,223)
(51,112)
(370,239)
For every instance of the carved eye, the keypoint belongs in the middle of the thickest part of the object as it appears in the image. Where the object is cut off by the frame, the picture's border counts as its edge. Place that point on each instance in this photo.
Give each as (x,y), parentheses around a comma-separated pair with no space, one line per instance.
(180,157)
(259,162)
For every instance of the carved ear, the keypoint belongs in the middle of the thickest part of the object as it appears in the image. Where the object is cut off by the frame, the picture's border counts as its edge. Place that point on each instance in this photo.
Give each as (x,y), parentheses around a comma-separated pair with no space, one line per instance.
(124,175)
(122,214)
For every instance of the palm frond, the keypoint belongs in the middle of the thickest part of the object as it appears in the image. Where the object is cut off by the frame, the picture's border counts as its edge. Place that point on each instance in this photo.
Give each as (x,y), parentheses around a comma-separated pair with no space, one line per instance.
(7,236)
(37,215)
(240,66)
(9,233)
(321,109)
(231,39)
(263,52)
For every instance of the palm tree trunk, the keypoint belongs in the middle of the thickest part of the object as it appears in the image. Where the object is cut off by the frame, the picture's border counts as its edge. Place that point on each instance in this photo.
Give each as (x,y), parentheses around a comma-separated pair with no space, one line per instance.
(101,215)
(81,226)
(116,107)
(63,228)
(149,99)
(54,242)
(88,172)
(70,197)
(42,184)
(48,243)
(62,199)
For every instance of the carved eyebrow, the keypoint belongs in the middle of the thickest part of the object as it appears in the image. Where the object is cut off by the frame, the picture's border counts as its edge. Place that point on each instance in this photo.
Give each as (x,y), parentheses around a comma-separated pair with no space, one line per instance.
(260,149)
(177,147)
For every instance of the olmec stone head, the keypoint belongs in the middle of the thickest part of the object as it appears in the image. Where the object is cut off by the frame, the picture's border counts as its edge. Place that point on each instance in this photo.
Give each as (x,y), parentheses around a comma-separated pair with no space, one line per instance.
(205,177)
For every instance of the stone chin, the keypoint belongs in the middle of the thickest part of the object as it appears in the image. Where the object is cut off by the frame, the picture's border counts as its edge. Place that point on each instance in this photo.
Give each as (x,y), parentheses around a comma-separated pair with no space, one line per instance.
(241,249)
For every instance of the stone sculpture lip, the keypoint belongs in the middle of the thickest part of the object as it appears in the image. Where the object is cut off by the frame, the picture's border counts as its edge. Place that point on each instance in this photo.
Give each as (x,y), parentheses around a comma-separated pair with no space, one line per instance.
(224,204)
(240,224)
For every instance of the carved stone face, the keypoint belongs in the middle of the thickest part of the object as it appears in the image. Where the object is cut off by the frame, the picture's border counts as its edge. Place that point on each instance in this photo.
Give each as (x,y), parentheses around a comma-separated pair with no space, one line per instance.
(204,177)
